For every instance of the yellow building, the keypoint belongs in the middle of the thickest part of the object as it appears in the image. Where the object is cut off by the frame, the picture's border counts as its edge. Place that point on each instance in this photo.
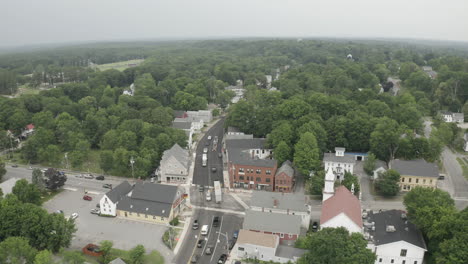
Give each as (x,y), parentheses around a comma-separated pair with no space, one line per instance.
(416,173)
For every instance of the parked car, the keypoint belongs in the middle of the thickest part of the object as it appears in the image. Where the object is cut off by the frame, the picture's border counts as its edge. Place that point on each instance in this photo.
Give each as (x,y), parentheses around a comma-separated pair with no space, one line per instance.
(205,150)
(95,211)
(231,244)
(74,216)
(88,176)
(194,259)
(314,226)
(59,212)
(100,178)
(208,195)
(79,176)
(441,177)
(200,243)
(237,262)
(213,169)
(216,221)
(209,137)
(222,259)
(209,250)
(195,224)
(107,186)
(15,165)
(87,198)
(235,235)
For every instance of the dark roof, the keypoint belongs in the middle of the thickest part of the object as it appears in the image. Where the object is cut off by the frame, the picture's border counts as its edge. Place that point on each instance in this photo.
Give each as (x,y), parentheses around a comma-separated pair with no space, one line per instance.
(404,230)
(182,125)
(243,157)
(118,191)
(343,201)
(286,168)
(154,192)
(254,143)
(347,158)
(272,222)
(144,207)
(415,168)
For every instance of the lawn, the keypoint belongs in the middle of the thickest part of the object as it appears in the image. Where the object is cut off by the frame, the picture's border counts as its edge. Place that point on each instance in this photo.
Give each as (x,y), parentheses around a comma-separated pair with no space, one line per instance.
(152,258)
(464,166)
(120,65)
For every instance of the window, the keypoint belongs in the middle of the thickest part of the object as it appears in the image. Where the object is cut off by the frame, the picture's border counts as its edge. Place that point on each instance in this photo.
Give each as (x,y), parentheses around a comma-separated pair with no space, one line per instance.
(240,248)
(258,151)
(268,172)
(259,171)
(417,180)
(403,252)
(409,180)
(380,259)
(268,180)
(415,262)
(431,181)
(392,261)
(402,179)
(424,181)
(241,169)
(154,217)
(263,151)
(259,179)
(146,216)
(403,262)
(282,235)
(241,178)
(290,235)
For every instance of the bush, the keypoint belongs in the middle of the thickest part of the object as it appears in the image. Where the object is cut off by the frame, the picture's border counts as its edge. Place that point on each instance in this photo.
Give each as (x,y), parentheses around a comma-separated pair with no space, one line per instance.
(174,222)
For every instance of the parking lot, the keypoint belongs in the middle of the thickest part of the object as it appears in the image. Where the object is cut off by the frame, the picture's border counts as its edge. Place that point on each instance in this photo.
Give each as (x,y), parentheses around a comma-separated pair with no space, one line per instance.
(92,228)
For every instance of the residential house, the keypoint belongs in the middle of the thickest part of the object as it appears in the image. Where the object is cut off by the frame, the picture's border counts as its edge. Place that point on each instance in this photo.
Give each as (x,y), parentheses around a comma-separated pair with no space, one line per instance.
(416,173)
(117,261)
(282,203)
(465,145)
(187,127)
(175,165)
(238,91)
(150,202)
(196,123)
(286,227)
(394,239)
(27,131)
(250,164)
(343,209)
(284,178)
(450,117)
(265,247)
(204,115)
(339,162)
(429,71)
(380,167)
(109,201)
(130,91)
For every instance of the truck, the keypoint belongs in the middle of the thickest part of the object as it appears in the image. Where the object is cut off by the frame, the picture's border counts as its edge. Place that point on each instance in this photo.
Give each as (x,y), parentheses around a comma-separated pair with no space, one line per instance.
(217,190)
(204,160)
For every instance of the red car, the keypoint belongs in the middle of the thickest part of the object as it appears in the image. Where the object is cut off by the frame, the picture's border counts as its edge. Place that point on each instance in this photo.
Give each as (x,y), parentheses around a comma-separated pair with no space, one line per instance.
(87,198)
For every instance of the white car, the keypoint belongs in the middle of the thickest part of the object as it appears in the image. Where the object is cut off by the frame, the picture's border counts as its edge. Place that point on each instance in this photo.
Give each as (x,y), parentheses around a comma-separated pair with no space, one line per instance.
(74,216)
(208,195)
(205,150)
(209,137)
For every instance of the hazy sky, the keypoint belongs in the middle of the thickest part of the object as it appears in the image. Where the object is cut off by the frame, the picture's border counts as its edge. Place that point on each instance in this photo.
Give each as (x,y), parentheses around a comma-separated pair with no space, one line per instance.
(24,22)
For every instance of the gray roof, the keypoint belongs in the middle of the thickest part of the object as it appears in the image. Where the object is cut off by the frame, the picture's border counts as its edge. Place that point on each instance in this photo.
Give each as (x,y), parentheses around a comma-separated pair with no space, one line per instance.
(236,137)
(117,261)
(380,163)
(178,153)
(254,143)
(182,125)
(405,231)
(347,158)
(154,192)
(272,222)
(179,113)
(458,116)
(119,191)
(144,207)
(284,201)
(243,157)
(289,252)
(415,168)
(286,168)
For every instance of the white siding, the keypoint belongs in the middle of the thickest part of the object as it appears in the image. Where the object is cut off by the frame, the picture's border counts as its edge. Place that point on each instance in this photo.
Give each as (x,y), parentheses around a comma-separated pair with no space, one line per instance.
(107,206)
(339,167)
(171,167)
(344,221)
(392,251)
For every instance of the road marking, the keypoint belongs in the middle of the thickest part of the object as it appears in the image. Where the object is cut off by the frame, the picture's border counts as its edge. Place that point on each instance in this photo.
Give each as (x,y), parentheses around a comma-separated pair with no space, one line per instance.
(70,189)
(198,238)
(91,192)
(220,228)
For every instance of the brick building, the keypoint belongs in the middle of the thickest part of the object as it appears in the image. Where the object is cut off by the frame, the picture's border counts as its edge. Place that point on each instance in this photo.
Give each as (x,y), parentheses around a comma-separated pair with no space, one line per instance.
(284,178)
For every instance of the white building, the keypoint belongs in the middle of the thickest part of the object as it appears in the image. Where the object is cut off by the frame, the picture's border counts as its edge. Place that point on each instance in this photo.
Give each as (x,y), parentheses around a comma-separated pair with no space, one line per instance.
(204,115)
(343,209)
(109,201)
(394,239)
(238,91)
(380,168)
(450,117)
(282,203)
(329,188)
(265,247)
(339,162)
(196,123)
(175,165)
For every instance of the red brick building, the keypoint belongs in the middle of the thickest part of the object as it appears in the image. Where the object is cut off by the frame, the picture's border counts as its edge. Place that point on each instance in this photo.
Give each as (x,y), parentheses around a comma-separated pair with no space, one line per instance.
(284,178)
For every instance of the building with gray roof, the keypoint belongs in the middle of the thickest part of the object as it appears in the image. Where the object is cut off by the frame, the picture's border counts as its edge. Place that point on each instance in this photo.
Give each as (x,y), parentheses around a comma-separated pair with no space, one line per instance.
(339,162)
(285,178)
(117,261)
(416,173)
(174,166)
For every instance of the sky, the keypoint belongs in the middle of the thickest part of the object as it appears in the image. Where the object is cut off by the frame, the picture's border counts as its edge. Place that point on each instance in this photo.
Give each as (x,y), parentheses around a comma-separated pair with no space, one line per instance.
(30,22)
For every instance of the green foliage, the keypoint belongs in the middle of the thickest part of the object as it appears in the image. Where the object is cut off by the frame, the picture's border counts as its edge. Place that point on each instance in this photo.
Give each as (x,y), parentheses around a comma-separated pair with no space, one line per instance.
(137,255)
(369,164)
(384,141)
(174,221)
(26,192)
(106,247)
(73,257)
(306,154)
(282,153)
(2,168)
(349,180)
(336,245)
(54,179)
(387,184)
(316,183)
(16,250)
(44,257)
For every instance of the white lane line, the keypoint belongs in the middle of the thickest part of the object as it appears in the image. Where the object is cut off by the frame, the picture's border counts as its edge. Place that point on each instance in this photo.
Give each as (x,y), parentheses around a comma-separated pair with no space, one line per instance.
(91,192)
(70,189)
(219,233)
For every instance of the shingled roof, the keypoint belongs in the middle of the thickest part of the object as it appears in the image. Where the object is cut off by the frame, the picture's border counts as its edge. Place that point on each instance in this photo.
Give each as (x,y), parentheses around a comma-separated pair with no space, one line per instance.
(271,222)
(178,153)
(415,168)
(342,202)
(286,168)
(119,191)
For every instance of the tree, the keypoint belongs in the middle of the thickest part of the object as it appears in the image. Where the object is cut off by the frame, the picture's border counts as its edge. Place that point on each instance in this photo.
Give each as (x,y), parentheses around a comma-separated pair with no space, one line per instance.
(316,183)
(137,254)
(38,179)
(106,161)
(282,152)
(369,164)
(51,154)
(54,179)
(283,132)
(26,192)
(16,250)
(106,247)
(306,153)
(2,168)
(387,185)
(336,245)
(73,257)
(349,180)
(44,257)
(385,139)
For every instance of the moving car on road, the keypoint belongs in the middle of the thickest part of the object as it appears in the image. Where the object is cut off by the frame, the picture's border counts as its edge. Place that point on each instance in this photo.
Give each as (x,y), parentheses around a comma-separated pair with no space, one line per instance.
(87,198)
(209,250)
(209,137)
(216,221)
(204,230)
(100,178)
(208,195)
(205,150)
(15,165)
(195,224)
(222,259)
(88,176)
(200,243)
(194,259)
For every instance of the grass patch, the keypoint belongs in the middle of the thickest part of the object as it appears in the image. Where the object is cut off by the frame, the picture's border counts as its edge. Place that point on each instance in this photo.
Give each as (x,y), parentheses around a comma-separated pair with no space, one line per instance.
(49,195)
(464,167)
(120,65)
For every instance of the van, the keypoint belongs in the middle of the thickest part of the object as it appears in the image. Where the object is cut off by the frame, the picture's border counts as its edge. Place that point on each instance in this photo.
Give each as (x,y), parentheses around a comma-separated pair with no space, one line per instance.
(204,230)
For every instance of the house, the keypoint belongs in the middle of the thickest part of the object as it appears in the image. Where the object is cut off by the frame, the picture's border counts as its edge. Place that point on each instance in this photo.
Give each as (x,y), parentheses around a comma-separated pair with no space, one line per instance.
(7,186)
(429,71)
(196,123)
(339,162)
(151,202)
(465,145)
(265,247)
(27,131)
(416,173)
(284,178)
(238,91)
(450,117)
(380,167)
(187,127)
(286,227)
(117,261)
(393,238)
(234,131)
(130,91)
(204,115)
(109,201)
(175,165)
(343,209)
(282,203)
(250,164)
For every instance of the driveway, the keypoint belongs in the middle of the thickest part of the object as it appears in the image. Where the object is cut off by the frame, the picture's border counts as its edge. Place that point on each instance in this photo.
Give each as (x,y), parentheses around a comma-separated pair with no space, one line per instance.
(124,233)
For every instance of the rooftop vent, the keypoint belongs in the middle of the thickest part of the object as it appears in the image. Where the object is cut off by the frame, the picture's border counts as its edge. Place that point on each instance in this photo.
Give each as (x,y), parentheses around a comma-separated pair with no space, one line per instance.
(146,208)
(163,211)
(131,206)
(390,229)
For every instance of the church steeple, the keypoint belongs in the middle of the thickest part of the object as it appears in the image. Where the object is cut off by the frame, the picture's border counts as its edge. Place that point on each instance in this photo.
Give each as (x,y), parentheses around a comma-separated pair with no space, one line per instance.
(329,188)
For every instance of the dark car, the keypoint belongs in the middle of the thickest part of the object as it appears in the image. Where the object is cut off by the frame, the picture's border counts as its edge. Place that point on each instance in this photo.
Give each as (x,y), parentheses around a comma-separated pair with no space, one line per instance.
(100,178)
(15,165)
(87,198)
(441,177)
(222,259)
(200,243)
(107,186)
(216,221)
(314,227)
(231,244)
(195,224)
(237,262)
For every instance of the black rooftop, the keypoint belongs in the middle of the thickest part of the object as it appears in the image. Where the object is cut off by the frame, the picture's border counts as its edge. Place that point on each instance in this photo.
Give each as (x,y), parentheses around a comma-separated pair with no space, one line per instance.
(118,191)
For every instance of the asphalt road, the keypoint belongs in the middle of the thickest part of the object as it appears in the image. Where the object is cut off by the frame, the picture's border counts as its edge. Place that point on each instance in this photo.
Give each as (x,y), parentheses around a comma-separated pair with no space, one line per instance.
(218,237)
(455,174)
(205,175)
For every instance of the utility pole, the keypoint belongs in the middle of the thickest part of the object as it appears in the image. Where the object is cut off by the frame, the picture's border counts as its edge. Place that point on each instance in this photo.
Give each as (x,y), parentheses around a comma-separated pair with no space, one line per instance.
(132,161)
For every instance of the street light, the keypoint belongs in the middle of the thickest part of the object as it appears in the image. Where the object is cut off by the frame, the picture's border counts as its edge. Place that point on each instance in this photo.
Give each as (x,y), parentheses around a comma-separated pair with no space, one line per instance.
(132,161)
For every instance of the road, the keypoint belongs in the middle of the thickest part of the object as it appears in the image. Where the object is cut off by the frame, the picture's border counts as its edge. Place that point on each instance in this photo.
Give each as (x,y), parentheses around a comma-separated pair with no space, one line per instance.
(204,175)
(455,174)
(218,237)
